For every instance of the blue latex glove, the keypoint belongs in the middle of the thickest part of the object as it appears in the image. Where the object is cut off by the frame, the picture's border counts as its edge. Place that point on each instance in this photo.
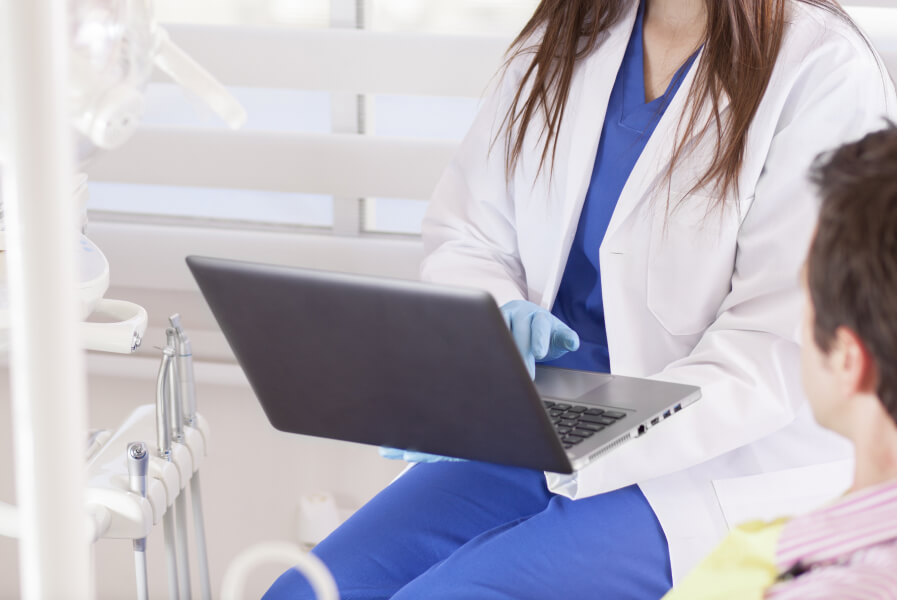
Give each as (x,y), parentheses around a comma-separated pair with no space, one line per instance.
(414,456)
(537,333)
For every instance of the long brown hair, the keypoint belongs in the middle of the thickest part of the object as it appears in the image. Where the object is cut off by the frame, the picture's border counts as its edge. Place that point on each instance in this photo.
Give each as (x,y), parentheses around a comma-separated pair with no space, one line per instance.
(741,43)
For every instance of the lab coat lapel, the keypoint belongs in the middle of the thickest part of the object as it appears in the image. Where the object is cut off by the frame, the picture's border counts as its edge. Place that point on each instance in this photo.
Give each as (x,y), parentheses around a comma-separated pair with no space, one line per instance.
(591,86)
(650,169)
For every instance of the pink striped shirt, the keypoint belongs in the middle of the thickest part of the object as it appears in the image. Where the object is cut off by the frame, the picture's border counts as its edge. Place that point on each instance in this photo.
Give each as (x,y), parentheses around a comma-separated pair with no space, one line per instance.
(847,550)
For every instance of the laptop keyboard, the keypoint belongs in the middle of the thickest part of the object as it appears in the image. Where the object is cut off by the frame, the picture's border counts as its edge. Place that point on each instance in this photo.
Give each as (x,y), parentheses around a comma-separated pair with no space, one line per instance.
(575,423)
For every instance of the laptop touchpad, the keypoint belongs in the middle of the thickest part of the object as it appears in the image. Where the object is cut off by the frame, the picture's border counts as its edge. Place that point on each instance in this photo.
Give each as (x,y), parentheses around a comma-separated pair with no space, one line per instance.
(565,384)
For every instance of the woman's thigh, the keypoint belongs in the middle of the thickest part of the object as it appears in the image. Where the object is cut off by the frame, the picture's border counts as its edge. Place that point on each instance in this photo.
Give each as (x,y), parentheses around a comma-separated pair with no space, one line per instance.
(606,546)
(417,521)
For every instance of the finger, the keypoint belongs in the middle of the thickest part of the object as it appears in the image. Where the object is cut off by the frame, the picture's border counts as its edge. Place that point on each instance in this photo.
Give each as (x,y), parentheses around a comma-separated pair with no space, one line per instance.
(521,333)
(541,328)
(391,453)
(563,337)
(413,456)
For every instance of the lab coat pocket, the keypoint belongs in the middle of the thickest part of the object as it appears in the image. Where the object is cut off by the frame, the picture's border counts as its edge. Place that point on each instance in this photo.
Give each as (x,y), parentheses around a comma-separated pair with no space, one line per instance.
(691,256)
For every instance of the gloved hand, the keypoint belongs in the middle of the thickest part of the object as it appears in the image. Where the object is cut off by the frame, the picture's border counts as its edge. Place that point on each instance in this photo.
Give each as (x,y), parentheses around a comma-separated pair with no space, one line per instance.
(537,333)
(414,456)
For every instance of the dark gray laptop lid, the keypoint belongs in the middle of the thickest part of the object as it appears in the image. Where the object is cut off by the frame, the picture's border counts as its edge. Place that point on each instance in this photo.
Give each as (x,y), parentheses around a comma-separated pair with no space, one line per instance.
(383,362)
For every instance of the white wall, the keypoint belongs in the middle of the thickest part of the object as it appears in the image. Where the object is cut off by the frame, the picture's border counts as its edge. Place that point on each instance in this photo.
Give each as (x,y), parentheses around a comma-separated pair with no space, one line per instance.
(251,480)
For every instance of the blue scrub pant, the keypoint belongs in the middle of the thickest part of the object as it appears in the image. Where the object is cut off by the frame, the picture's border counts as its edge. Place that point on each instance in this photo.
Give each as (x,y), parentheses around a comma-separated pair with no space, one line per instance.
(477,531)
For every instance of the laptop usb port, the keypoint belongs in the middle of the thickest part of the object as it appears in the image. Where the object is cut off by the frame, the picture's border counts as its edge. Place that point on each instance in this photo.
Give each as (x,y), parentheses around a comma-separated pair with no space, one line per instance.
(655,420)
(667,414)
(677,408)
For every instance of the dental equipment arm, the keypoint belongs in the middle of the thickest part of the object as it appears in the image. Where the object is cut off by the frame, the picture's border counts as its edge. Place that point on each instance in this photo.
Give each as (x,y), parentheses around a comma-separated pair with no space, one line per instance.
(190,75)
(123,336)
(96,521)
(137,462)
(125,37)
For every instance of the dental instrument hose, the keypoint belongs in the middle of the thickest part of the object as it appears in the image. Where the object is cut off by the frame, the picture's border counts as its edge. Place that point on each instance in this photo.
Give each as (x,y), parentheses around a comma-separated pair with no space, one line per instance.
(188,399)
(164,451)
(137,463)
(175,408)
(308,564)
(204,582)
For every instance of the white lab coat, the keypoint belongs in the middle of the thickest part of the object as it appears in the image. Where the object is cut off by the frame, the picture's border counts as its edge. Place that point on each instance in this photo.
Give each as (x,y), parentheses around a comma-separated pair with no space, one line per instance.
(696,295)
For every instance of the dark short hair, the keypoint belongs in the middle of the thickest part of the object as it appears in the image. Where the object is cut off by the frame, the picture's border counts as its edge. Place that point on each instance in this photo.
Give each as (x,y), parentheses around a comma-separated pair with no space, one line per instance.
(852,263)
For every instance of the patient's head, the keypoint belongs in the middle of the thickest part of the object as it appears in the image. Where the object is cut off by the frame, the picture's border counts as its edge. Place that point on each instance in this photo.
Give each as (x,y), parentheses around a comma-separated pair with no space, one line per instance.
(849,352)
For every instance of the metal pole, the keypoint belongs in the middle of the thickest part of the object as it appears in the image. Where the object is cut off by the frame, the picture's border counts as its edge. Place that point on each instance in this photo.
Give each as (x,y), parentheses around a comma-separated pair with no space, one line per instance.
(46,360)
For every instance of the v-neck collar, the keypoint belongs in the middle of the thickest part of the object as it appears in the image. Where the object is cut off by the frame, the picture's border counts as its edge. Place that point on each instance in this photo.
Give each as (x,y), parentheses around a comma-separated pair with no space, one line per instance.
(636,113)
(588,100)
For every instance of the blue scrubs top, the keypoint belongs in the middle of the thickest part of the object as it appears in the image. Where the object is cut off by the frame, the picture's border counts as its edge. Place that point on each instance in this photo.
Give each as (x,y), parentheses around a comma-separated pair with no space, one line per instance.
(627,127)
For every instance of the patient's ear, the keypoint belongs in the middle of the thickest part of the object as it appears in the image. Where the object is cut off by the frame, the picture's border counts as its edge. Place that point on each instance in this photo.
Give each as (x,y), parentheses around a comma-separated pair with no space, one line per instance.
(852,363)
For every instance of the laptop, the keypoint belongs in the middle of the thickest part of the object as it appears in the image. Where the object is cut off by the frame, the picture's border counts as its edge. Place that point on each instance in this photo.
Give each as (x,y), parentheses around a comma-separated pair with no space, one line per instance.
(417,366)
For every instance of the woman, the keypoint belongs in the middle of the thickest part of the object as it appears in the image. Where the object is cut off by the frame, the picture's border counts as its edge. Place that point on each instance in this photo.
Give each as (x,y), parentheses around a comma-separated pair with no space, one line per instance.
(640,171)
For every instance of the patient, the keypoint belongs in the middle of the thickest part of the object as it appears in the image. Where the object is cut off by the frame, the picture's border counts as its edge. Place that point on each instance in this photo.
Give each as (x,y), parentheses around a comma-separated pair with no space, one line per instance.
(847,549)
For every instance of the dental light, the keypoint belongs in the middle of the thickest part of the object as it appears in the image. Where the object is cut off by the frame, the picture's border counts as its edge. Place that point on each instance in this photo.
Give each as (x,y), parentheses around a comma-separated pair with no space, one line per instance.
(116,45)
